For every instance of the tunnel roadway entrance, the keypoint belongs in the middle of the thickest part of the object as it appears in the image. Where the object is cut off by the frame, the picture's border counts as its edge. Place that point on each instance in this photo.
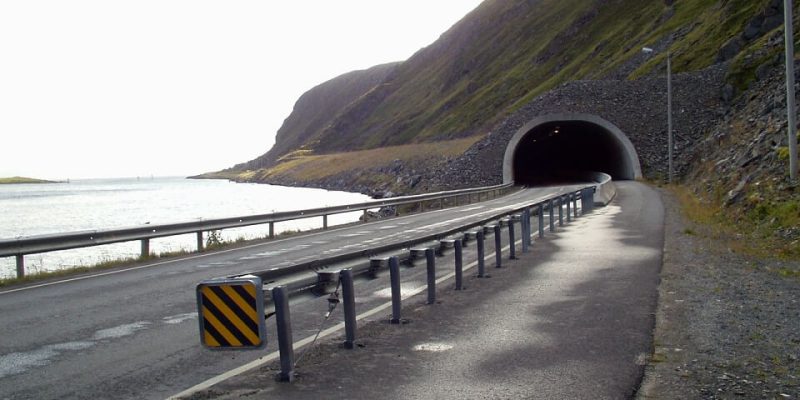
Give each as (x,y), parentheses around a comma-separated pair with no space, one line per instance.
(559,148)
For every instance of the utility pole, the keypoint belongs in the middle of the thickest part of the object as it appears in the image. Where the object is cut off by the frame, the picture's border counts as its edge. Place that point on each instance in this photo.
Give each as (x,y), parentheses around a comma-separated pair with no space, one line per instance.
(790,99)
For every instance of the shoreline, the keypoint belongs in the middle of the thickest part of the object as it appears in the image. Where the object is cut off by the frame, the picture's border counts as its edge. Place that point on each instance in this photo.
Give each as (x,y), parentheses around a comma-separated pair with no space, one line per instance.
(21,180)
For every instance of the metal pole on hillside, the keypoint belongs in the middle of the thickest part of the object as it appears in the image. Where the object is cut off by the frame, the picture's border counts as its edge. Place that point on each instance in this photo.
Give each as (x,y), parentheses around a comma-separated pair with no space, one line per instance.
(669,116)
(788,43)
(669,113)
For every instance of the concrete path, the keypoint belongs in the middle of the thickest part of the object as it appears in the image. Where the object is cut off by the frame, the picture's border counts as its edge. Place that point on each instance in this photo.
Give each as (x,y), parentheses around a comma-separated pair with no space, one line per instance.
(573,318)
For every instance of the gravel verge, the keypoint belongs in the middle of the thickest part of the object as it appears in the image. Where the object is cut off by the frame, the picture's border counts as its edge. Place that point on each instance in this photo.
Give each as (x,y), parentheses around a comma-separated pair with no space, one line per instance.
(727,325)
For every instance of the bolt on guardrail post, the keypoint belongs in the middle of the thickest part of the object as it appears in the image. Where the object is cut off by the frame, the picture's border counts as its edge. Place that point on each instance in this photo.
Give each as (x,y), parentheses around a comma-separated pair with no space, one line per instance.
(541,220)
(430,261)
(479,237)
(199,241)
(20,265)
(552,216)
(569,208)
(394,276)
(511,240)
(498,251)
(459,261)
(145,248)
(349,305)
(280,297)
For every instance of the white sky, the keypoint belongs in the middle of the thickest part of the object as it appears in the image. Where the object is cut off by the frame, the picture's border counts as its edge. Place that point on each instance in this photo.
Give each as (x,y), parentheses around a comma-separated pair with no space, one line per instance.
(112,88)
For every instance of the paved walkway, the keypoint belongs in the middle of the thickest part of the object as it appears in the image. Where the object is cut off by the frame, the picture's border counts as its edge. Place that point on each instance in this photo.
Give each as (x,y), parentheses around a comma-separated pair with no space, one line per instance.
(573,318)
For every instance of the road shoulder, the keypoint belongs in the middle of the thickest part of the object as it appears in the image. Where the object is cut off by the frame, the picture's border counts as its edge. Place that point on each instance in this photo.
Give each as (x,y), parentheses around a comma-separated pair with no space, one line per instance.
(727,325)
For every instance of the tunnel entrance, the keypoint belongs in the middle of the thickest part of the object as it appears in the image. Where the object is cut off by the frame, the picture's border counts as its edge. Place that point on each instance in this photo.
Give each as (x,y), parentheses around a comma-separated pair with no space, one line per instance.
(562,148)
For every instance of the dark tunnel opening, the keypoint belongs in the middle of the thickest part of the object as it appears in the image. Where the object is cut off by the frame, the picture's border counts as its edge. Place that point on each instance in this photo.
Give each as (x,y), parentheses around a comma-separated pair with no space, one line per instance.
(563,151)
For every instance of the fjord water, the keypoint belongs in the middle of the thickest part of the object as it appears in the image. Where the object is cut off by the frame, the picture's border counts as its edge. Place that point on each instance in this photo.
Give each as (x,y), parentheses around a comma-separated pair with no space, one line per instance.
(96,204)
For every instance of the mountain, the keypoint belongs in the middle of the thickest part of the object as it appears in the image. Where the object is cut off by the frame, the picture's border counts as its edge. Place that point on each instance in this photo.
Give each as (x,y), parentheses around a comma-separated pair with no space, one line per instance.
(317,109)
(500,57)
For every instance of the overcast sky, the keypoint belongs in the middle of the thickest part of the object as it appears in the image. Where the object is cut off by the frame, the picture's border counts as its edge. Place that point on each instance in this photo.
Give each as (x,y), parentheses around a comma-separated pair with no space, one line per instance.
(111,88)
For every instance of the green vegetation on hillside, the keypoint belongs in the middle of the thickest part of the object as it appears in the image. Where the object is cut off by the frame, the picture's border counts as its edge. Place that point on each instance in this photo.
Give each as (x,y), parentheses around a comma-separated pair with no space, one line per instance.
(504,54)
(762,230)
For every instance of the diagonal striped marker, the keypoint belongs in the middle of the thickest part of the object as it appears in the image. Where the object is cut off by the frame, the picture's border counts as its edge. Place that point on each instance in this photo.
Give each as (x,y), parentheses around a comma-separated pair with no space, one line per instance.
(231,313)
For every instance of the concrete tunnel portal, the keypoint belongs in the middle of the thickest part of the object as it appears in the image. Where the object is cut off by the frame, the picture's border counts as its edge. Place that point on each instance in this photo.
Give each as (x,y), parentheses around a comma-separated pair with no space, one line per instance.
(562,148)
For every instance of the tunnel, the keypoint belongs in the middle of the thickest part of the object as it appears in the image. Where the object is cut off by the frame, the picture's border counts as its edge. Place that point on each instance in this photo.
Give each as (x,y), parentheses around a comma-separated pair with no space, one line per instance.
(562,148)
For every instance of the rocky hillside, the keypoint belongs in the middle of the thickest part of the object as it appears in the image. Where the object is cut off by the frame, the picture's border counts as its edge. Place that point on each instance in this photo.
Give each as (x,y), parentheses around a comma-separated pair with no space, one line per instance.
(503,55)
(316,109)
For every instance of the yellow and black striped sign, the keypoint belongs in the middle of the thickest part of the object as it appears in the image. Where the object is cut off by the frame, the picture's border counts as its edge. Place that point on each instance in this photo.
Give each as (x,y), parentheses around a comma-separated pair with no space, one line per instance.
(231,313)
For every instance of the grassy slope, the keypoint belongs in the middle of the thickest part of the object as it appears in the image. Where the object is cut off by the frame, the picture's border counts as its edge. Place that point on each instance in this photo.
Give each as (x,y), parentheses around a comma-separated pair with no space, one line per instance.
(505,53)
(304,166)
(520,51)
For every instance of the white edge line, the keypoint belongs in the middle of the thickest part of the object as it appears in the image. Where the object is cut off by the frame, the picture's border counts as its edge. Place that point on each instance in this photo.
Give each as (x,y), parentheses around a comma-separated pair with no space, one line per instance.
(97,275)
(327,332)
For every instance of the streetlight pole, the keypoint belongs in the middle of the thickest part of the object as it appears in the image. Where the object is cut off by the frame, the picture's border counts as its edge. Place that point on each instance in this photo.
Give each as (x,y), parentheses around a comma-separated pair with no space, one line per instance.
(669,113)
(790,98)
(669,116)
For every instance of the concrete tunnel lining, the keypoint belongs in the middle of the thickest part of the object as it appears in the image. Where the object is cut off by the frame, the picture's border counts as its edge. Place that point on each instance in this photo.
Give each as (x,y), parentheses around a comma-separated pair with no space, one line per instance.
(604,137)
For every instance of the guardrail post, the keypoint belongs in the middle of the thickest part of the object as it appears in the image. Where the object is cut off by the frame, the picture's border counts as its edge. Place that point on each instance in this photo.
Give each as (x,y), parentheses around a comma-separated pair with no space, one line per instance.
(587,200)
(560,210)
(20,265)
(525,225)
(280,297)
(349,305)
(145,248)
(552,216)
(199,241)
(272,230)
(325,222)
(569,210)
(575,205)
(394,276)
(479,237)
(541,220)
(511,239)
(430,261)
(498,242)
(459,261)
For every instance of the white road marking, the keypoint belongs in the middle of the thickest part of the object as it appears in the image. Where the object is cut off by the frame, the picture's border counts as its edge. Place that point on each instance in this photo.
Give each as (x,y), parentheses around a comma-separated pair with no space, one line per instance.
(17,363)
(177,319)
(308,340)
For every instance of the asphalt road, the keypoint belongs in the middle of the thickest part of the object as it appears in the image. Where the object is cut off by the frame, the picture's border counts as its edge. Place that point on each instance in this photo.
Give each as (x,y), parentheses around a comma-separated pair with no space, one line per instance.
(133,333)
(571,319)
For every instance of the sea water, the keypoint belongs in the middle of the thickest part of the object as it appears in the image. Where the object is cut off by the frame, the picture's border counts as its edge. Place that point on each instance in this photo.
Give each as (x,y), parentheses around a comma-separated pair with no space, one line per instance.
(98,204)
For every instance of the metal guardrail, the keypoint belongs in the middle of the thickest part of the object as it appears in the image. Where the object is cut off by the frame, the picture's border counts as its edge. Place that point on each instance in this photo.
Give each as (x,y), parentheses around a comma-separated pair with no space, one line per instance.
(324,276)
(19,247)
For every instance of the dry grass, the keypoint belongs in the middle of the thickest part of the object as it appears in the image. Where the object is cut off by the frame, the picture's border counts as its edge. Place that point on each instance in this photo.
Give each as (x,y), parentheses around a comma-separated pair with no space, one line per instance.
(749,233)
(303,166)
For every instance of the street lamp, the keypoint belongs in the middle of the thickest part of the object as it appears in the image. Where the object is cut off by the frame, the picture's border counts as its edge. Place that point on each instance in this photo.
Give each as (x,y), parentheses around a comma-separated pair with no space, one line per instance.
(669,113)
(788,43)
